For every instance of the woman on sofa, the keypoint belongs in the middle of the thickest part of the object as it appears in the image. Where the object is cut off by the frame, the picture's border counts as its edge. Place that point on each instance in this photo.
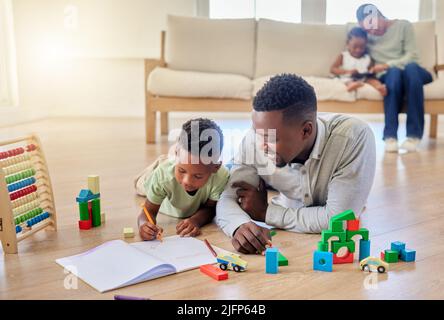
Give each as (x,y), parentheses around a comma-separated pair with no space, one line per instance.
(393,47)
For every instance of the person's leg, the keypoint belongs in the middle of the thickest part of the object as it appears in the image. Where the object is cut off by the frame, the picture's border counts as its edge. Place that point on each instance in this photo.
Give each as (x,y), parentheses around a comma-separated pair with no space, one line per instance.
(354,85)
(392,101)
(378,85)
(414,79)
(139,181)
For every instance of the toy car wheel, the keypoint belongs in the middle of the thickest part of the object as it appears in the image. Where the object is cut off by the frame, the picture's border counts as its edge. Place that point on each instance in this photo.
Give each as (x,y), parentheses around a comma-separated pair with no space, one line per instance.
(381,269)
(223,266)
(365,267)
(237,269)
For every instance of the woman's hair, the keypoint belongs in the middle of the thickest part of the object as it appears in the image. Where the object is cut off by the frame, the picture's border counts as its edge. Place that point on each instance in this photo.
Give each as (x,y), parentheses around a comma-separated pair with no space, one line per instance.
(357,32)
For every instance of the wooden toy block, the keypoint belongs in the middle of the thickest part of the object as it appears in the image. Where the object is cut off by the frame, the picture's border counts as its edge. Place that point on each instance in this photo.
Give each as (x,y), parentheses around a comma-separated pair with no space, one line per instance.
(95,209)
(323,261)
(408,255)
(362,232)
(364,249)
(382,255)
(397,246)
(391,256)
(83,210)
(102,217)
(327,234)
(214,272)
(128,232)
(94,184)
(85,225)
(86,195)
(271,261)
(273,233)
(344,216)
(336,245)
(341,260)
(353,225)
(336,226)
(322,246)
(282,261)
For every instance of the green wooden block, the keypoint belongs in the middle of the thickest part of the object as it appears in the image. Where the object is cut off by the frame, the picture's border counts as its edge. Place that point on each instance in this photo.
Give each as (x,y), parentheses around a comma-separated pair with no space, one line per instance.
(96,213)
(83,209)
(273,233)
(336,245)
(344,216)
(391,256)
(327,234)
(363,232)
(322,246)
(282,261)
(336,226)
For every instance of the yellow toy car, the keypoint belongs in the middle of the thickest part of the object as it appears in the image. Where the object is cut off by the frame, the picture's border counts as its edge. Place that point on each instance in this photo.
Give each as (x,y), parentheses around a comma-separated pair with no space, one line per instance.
(231,261)
(372,263)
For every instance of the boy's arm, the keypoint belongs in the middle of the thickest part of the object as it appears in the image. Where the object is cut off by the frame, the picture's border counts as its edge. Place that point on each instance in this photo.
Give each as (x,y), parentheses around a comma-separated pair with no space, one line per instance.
(205,214)
(153,210)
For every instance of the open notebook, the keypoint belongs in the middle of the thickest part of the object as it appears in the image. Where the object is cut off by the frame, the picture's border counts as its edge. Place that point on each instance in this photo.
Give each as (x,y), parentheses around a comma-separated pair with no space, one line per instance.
(117,264)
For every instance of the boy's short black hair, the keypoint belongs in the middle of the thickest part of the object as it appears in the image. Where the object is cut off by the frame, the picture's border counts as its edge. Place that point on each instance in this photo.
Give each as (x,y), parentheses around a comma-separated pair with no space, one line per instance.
(357,32)
(200,133)
(287,92)
(365,10)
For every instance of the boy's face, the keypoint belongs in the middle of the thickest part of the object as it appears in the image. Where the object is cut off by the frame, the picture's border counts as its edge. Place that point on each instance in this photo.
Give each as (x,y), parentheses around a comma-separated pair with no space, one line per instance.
(356,46)
(192,176)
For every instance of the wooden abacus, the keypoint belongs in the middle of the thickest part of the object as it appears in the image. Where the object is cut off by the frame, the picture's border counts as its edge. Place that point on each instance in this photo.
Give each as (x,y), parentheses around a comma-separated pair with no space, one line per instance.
(26,197)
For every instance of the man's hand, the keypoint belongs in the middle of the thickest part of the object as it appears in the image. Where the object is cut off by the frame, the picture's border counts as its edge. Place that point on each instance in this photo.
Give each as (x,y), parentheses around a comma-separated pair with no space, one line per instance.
(250,238)
(187,228)
(252,200)
(377,68)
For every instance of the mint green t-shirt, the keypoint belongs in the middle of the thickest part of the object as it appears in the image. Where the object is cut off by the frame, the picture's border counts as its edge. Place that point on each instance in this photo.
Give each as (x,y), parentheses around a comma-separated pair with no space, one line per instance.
(163,189)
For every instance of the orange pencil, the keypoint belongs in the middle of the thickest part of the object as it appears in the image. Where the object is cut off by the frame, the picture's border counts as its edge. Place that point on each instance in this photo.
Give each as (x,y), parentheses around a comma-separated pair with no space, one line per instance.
(150,219)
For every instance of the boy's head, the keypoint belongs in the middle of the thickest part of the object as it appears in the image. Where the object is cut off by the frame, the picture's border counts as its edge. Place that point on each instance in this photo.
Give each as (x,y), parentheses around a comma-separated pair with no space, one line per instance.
(371,19)
(357,42)
(198,153)
(287,104)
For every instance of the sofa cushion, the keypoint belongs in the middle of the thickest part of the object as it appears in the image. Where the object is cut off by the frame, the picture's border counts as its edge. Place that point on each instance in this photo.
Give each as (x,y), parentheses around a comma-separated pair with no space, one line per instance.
(367,92)
(425,42)
(304,49)
(211,45)
(435,90)
(325,88)
(173,83)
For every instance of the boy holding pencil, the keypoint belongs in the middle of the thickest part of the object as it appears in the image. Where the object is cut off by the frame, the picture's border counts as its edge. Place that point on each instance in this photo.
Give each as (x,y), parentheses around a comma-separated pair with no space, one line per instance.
(186,187)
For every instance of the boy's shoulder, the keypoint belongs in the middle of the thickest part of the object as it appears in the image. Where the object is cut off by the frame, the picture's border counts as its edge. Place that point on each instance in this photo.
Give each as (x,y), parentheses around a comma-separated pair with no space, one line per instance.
(221,176)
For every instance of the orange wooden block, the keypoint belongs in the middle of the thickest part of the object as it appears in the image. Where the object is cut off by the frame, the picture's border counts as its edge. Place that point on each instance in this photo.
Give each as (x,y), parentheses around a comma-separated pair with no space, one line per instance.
(346,259)
(382,256)
(353,225)
(214,272)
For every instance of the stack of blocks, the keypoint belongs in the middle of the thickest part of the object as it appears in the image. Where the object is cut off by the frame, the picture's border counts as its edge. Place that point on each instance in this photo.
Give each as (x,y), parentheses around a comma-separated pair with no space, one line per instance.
(323,260)
(398,252)
(89,205)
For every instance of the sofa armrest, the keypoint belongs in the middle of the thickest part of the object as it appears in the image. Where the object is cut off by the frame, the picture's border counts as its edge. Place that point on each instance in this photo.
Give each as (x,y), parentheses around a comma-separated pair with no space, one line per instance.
(439,67)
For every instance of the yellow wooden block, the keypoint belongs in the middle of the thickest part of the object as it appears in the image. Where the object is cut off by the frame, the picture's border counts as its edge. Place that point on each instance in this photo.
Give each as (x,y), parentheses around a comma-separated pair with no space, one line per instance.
(94,184)
(128,232)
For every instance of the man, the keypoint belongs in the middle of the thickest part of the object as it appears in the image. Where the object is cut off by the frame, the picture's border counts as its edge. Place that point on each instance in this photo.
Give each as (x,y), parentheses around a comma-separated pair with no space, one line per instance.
(392,45)
(321,165)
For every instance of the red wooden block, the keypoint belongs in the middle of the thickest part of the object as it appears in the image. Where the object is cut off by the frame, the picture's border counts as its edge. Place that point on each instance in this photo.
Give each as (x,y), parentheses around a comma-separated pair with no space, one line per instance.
(341,260)
(214,272)
(85,225)
(382,256)
(353,225)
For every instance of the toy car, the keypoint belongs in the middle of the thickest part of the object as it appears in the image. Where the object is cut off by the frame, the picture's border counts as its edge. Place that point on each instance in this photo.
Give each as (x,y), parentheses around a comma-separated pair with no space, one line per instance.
(231,261)
(373,263)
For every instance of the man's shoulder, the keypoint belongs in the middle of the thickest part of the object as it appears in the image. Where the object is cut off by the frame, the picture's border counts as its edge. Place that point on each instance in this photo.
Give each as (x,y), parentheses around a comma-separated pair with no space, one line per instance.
(343,125)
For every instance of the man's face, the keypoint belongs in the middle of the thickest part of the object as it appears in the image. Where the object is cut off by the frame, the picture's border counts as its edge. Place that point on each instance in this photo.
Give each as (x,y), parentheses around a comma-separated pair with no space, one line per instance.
(289,142)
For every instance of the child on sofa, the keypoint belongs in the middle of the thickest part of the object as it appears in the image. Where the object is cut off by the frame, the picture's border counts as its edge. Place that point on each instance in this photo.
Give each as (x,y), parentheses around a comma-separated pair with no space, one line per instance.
(187,186)
(354,65)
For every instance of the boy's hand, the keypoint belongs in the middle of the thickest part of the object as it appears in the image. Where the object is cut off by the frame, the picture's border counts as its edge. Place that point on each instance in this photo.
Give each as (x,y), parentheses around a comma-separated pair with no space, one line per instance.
(187,228)
(149,231)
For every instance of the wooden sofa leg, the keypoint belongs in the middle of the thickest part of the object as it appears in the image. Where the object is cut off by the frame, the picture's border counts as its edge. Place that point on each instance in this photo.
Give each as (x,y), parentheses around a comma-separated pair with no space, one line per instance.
(164,123)
(150,123)
(433,126)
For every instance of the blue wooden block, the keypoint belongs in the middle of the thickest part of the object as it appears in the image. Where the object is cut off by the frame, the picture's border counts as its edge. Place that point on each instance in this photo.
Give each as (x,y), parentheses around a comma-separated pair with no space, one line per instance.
(398,246)
(364,249)
(323,261)
(271,260)
(86,195)
(408,255)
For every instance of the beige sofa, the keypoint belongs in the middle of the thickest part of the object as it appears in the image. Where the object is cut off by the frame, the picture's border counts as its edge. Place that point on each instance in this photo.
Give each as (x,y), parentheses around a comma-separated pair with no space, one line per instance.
(219,65)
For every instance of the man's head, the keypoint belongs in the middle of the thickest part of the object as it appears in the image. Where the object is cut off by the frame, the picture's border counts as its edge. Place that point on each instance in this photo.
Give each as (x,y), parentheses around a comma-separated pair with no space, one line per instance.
(198,153)
(287,104)
(371,19)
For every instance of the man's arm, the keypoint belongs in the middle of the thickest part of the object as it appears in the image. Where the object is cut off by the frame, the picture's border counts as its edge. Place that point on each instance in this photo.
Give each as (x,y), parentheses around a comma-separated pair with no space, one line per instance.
(410,49)
(348,189)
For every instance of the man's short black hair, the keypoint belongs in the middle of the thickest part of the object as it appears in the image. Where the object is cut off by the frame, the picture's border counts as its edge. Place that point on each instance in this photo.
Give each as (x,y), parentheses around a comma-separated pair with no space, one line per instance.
(365,10)
(200,132)
(287,92)
(357,32)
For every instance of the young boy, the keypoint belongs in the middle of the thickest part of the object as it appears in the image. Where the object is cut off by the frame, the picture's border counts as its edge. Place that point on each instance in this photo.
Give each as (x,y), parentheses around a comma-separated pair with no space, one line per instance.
(354,66)
(187,186)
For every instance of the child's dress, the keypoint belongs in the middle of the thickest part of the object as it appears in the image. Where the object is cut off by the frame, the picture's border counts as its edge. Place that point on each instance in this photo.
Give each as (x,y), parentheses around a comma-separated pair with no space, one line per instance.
(349,63)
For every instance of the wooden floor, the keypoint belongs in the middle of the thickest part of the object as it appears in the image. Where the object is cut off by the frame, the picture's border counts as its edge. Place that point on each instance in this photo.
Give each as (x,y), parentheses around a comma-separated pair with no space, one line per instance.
(406,204)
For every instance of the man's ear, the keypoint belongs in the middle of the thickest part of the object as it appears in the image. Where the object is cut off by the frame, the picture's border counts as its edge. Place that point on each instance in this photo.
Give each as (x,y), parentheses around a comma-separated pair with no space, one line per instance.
(307,129)
(216,166)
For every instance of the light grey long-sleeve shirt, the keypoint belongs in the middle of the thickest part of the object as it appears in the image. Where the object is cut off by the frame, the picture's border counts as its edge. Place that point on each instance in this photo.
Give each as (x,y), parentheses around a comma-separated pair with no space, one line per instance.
(337,176)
